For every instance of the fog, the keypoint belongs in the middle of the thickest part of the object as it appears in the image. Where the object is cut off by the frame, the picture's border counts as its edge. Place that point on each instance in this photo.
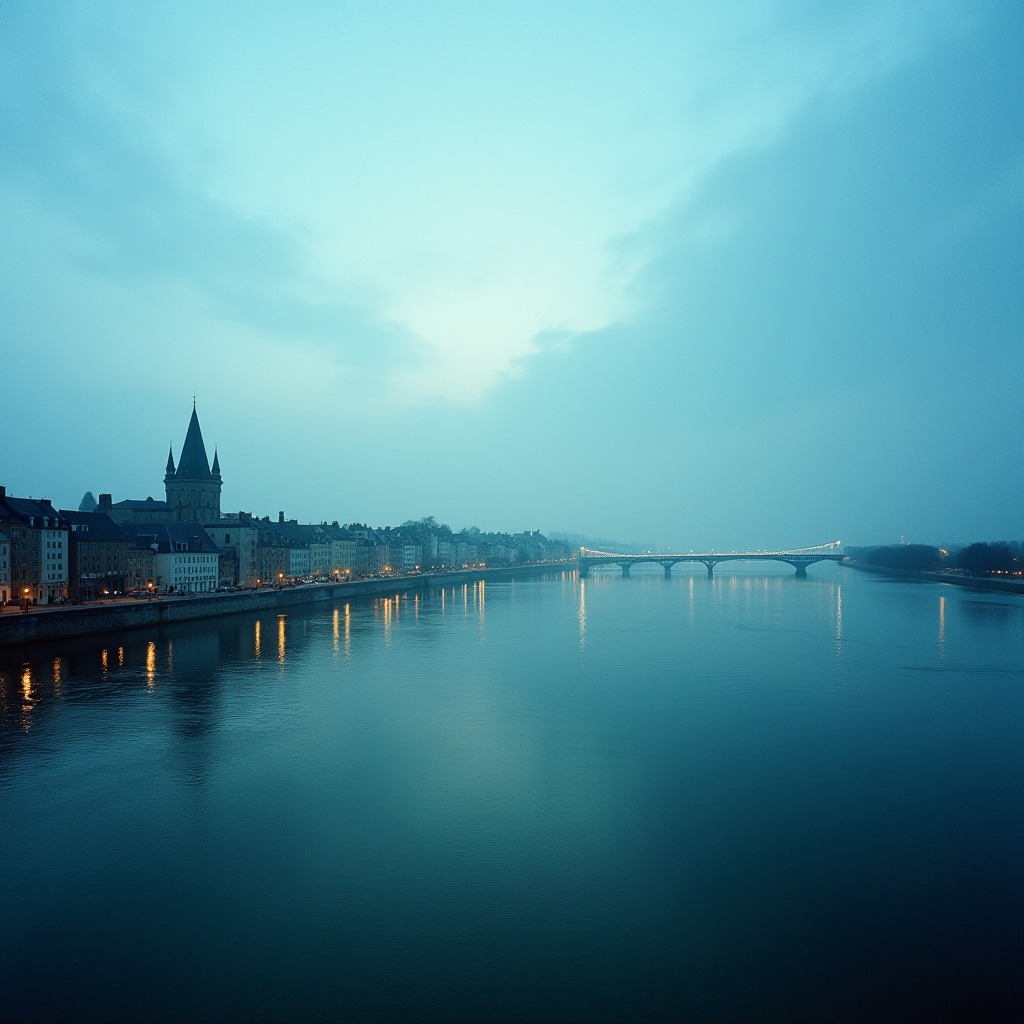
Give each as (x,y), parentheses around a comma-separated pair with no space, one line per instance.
(691,275)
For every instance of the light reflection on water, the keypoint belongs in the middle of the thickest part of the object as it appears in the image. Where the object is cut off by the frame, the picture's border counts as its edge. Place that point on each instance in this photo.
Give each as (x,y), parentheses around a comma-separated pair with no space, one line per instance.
(746,797)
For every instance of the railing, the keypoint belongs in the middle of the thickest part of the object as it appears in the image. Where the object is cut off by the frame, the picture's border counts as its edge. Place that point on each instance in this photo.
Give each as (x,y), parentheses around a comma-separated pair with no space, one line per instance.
(833,549)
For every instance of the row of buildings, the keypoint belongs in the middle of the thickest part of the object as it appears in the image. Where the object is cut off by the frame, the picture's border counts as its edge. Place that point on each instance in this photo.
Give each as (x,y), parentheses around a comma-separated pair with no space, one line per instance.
(186,545)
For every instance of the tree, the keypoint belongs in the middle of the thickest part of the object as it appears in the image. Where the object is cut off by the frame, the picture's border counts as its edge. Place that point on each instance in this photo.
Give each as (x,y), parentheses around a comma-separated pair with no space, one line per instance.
(908,557)
(985,558)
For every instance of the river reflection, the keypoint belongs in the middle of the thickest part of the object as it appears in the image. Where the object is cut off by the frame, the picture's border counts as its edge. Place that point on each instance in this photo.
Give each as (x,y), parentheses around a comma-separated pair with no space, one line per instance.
(749,797)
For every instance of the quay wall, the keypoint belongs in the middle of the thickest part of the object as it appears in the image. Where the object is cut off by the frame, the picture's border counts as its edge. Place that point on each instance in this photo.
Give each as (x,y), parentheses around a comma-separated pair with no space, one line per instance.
(978,583)
(82,620)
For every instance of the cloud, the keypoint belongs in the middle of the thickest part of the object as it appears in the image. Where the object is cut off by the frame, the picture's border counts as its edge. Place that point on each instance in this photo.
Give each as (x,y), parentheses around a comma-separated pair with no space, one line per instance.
(130,219)
(424,196)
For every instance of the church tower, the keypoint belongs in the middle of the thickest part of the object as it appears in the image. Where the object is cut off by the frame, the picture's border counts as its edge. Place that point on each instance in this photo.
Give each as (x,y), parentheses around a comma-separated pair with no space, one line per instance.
(193,489)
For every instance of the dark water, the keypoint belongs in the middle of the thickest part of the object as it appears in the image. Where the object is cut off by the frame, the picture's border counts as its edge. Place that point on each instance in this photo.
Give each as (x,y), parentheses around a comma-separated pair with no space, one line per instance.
(757,799)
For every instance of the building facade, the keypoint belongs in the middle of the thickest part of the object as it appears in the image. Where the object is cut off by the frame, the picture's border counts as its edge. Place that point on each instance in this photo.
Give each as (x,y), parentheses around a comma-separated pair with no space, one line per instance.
(133,510)
(5,557)
(141,569)
(343,549)
(237,538)
(300,561)
(38,544)
(185,559)
(98,556)
(191,489)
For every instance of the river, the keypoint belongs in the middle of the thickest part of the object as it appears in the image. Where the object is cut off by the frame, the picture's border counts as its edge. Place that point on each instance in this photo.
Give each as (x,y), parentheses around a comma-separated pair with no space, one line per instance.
(752,798)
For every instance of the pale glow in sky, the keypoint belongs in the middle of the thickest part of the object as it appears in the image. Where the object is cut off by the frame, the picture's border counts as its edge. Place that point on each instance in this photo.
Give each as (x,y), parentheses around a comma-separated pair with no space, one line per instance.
(480,177)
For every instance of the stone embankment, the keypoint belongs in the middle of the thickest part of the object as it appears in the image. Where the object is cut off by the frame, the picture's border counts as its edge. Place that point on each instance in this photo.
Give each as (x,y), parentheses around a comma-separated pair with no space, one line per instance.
(977,582)
(82,620)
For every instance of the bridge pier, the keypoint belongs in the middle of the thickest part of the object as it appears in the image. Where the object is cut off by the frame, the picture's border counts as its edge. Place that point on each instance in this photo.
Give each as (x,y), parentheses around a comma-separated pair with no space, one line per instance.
(799,558)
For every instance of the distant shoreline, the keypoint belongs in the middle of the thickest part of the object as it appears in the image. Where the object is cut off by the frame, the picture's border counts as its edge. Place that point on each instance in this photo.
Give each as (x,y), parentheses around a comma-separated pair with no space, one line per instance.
(79,620)
(975,582)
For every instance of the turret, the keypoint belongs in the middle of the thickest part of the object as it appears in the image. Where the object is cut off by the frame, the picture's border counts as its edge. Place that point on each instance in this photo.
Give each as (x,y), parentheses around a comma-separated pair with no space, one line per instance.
(193,465)
(193,491)
(169,472)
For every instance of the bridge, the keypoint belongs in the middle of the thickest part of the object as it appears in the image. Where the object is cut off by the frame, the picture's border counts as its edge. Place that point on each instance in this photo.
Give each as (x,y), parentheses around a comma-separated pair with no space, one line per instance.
(800,558)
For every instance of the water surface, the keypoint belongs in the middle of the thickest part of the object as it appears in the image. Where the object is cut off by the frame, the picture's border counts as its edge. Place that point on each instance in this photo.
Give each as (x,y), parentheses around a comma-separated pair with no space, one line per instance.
(756,798)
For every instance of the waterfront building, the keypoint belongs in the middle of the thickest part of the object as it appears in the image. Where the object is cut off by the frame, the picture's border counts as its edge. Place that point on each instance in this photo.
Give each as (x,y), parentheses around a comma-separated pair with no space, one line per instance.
(5,556)
(380,557)
(299,553)
(365,561)
(135,510)
(98,555)
(319,549)
(343,548)
(237,538)
(186,560)
(191,489)
(141,569)
(533,546)
(412,556)
(361,532)
(273,555)
(404,550)
(38,549)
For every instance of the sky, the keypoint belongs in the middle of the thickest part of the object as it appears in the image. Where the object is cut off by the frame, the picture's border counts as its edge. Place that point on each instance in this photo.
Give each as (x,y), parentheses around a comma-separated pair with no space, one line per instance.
(702,275)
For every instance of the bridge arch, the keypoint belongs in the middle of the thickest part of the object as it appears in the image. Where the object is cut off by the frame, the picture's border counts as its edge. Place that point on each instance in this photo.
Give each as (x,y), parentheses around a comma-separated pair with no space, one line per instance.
(799,558)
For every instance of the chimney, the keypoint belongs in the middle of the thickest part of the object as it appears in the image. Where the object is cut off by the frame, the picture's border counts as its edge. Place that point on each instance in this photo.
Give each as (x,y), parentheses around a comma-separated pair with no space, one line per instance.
(280,517)
(3,492)
(105,503)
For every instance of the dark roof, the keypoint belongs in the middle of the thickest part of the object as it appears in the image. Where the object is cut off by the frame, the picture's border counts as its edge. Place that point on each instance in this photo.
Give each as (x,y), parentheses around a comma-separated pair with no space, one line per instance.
(317,533)
(233,520)
(292,532)
(335,532)
(133,503)
(193,463)
(93,526)
(166,535)
(34,512)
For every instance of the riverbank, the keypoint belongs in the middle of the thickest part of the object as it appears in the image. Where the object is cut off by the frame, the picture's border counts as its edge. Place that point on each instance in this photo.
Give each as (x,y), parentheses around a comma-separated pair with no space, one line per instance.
(977,583)
(55,624)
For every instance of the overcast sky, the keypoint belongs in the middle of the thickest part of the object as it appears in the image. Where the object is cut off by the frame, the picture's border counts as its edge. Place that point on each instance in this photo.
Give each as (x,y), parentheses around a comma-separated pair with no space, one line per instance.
(705,275)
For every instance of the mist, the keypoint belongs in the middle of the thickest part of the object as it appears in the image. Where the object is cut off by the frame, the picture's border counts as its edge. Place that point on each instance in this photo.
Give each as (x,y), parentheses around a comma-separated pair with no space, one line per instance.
(701,277)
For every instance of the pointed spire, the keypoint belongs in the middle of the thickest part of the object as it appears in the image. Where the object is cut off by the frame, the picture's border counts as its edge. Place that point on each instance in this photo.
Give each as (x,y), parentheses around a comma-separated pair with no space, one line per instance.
(170,460)
(193,464)
(215,471)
